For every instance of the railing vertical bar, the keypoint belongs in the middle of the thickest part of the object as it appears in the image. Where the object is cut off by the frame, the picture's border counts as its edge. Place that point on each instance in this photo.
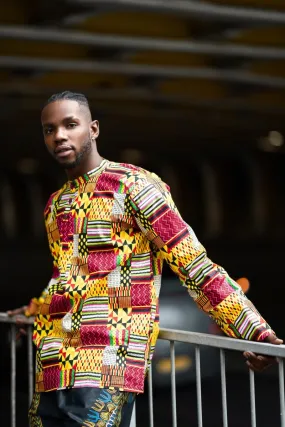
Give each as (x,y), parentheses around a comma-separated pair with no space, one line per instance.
(30,362)
(150,397)
(281,391)
(133,419)
(13,376)
(173,384)
(224,387)
(198,386)
(252,398)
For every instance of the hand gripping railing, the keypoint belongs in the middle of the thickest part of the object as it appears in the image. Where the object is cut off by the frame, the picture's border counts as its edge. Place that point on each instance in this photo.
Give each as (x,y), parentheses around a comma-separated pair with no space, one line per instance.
(198,339)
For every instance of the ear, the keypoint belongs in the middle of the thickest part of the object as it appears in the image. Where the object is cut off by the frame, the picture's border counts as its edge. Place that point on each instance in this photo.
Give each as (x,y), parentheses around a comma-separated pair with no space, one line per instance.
(94,129)
(244,284)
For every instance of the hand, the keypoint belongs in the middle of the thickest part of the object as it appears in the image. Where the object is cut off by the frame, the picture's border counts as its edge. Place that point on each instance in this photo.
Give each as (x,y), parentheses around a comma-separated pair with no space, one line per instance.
(260,362)
(20,320)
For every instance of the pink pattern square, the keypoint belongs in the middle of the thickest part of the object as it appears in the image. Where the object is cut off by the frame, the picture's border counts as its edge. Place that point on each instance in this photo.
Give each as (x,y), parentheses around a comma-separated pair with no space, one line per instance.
(107,182)
(169,226)
(101,262)
(51,378)
(59,304)
(140,294)
(94,335)
(217,290)
(134,378)
(65,225)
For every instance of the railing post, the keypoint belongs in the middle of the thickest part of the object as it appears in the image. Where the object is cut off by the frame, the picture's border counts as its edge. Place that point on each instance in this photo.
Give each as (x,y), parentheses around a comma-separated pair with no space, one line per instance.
(133,419)
(150,397)
(252,398)
(30,362)
(173,384)
(281,391)
(13,375)
(224,388)
(198,386)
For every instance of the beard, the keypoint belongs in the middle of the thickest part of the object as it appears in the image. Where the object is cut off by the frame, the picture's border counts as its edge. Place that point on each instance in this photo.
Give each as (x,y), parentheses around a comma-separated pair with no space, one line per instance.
(85,149)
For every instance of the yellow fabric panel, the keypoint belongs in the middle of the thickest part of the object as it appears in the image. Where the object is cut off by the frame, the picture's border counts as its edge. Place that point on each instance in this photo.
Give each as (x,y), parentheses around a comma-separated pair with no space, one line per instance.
(195,88)
(136,24)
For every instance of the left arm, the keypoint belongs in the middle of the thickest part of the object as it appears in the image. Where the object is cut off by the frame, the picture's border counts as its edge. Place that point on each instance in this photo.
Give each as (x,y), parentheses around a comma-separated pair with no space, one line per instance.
(208,284)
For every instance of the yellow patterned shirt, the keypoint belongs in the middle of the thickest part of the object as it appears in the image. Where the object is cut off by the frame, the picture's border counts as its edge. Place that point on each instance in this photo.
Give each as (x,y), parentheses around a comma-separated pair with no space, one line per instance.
(109,232)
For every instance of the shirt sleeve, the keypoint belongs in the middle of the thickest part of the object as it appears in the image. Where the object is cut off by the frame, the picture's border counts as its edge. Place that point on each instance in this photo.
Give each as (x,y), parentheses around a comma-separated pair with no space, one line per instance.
(35,304)
(208,284)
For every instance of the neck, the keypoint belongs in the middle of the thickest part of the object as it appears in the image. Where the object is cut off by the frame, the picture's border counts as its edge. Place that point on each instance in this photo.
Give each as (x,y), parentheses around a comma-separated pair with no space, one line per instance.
(92,161)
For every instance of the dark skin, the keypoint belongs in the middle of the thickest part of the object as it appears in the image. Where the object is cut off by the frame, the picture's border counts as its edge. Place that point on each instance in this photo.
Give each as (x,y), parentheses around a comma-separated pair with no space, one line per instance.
(70,136)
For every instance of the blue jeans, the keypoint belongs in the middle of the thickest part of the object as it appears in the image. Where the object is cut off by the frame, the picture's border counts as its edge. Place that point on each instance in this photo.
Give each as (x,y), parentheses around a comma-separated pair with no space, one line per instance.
(87,407)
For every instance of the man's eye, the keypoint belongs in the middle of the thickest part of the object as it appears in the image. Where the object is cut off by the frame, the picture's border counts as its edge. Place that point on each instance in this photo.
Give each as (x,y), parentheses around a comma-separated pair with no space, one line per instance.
(71,125)
(47,131)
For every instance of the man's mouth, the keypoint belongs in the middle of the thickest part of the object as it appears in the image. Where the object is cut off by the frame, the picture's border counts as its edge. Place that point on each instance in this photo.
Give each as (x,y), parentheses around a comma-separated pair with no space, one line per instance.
(63,151)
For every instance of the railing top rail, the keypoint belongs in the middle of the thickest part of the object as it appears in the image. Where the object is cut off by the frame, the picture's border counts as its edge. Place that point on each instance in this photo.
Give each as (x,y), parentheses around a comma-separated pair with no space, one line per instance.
(192,338)
(222,342)
(4,318)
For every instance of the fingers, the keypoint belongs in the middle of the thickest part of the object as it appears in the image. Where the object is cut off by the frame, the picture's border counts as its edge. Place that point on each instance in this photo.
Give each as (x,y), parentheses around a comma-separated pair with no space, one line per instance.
(20,333)
(20,320)
(272,339)
(16,311)
(257,362)
(254,368)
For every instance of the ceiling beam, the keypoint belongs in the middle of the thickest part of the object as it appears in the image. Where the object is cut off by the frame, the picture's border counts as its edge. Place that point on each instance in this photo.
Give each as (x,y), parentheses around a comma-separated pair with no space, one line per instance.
(138,43)
(28,91)
(129,69)
(196,8)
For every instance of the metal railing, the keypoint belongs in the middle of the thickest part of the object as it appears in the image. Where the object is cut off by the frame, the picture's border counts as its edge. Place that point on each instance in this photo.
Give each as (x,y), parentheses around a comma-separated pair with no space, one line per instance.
(4,318)
(197,339)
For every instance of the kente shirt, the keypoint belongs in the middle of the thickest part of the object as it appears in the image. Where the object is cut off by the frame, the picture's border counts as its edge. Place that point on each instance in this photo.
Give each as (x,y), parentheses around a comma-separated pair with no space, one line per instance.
(109,233)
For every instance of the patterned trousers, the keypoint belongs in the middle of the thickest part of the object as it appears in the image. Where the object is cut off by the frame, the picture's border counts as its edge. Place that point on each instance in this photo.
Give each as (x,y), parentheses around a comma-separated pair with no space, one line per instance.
(85,407)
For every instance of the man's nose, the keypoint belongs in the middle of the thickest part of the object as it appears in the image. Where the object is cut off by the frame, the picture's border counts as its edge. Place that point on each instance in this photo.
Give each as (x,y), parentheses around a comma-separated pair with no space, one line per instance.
(60,135)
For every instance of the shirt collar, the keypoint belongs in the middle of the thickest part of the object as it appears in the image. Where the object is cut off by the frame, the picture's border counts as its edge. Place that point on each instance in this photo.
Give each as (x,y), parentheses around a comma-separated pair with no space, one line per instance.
(83,179)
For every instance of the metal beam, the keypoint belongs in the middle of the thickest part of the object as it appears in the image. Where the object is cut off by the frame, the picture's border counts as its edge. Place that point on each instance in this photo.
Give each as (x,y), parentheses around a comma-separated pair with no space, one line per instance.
(128,69)
(190,7)
(222,342)
(30,91)
(138,43)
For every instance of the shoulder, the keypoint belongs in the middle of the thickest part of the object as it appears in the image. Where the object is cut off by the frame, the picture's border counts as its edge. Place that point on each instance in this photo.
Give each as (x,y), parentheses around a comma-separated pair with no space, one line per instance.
(51,200)
(137,177)
(135,181)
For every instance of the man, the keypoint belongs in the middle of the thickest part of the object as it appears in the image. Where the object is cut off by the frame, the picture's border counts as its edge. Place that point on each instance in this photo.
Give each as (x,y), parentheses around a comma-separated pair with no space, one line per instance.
(110,227)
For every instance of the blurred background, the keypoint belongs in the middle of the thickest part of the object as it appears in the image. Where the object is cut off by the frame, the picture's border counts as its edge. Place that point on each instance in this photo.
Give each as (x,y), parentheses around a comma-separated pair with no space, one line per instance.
(192,90)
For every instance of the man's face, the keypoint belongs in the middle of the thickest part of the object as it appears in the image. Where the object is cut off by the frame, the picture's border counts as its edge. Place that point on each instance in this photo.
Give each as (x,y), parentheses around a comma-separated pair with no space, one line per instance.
(68,130)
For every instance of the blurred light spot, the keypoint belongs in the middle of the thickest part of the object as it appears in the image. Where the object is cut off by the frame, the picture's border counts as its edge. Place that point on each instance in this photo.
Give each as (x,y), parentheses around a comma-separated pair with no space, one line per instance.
(28,166)
(272,142)
(244,284)
(182,364)
(275,138)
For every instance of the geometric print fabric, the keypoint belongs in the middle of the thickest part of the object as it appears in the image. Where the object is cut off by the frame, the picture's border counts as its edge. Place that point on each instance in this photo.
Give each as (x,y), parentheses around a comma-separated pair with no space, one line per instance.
(109,233)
